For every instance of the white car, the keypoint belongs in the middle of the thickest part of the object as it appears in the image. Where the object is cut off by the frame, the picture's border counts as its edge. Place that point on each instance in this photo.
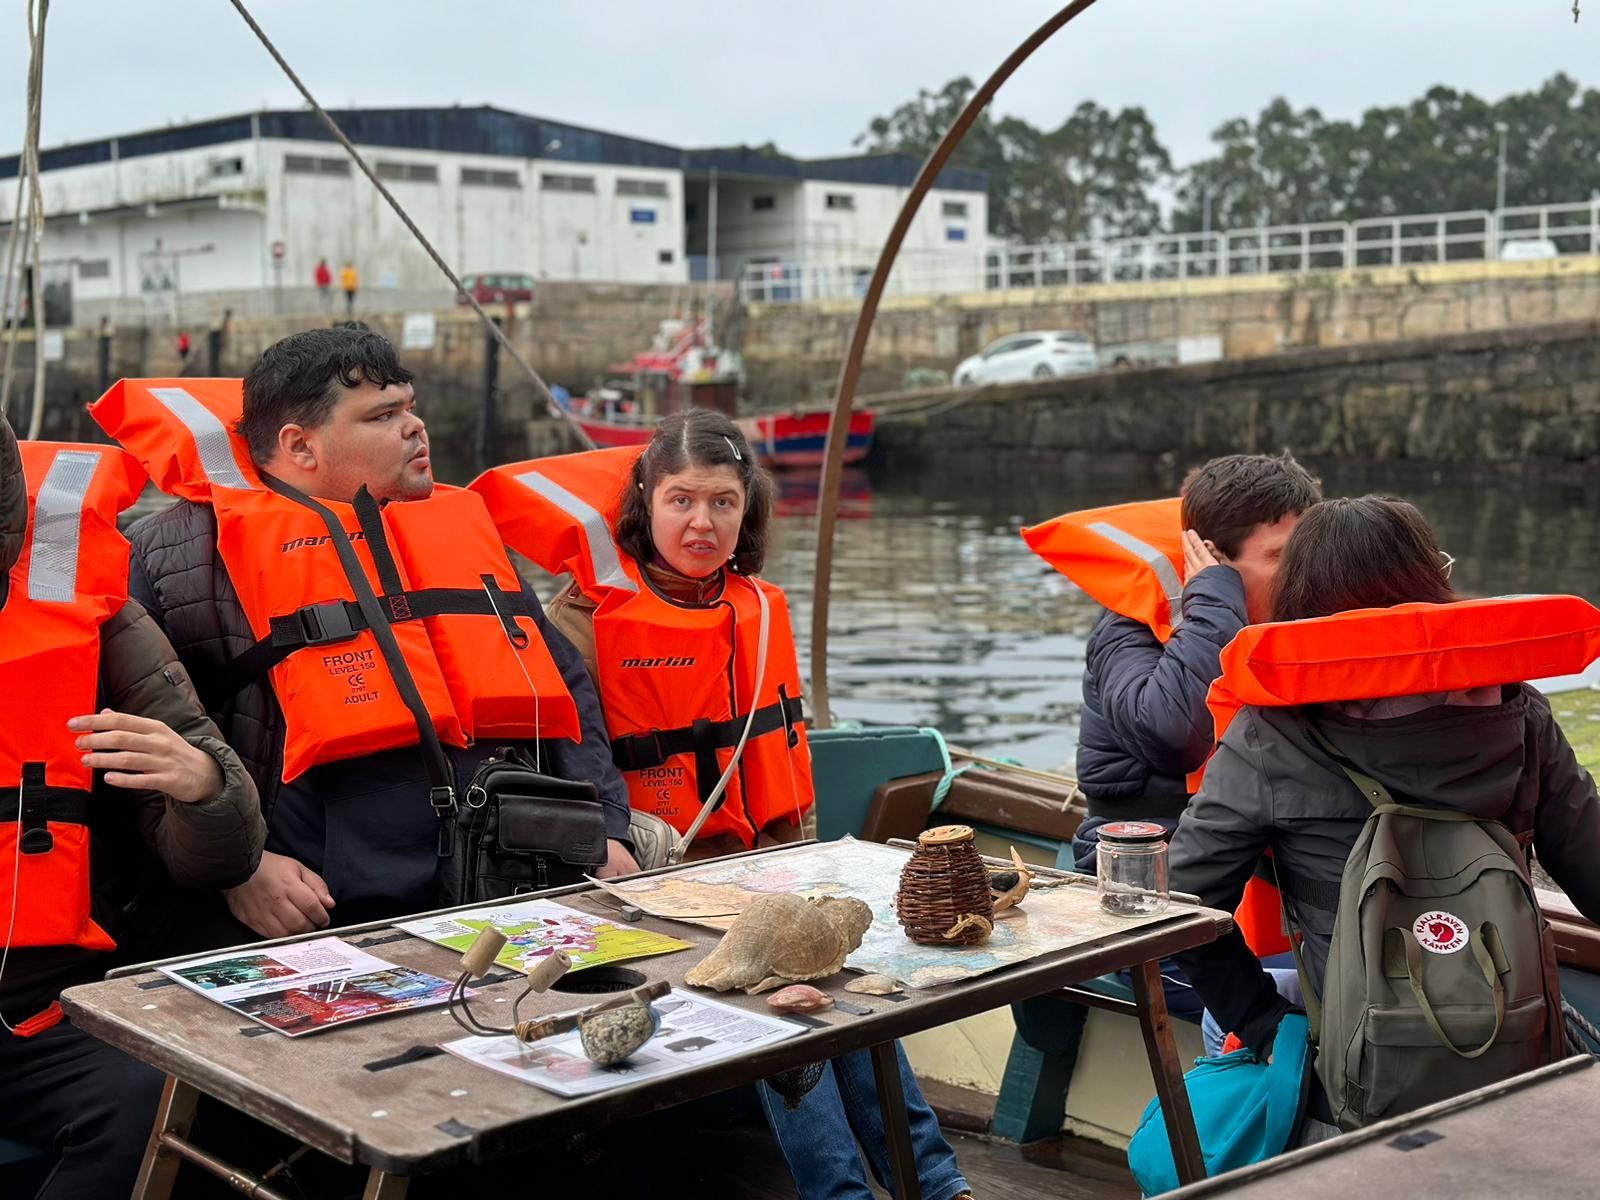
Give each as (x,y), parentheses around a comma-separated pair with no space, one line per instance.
(1040,354)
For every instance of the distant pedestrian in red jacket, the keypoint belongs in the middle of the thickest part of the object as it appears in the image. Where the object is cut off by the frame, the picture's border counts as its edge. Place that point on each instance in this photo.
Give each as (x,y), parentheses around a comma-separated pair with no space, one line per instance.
(324,277)
(183,346)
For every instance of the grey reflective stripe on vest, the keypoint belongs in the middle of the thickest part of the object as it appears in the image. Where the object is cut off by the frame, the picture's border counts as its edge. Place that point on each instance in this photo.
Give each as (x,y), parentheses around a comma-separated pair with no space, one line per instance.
(605,560)
(211,437)
(1159,563)
(57,522)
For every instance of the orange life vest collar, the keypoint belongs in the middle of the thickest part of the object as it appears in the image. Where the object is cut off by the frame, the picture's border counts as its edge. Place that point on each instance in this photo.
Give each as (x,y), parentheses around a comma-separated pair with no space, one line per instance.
(1127,558)
(676,680)
(1408,650)
(437,567)
(70,578)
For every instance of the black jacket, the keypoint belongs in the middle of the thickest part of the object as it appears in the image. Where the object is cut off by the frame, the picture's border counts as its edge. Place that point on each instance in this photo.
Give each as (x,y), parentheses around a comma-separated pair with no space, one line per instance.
(363,824)
(1144,724)
(1270,786)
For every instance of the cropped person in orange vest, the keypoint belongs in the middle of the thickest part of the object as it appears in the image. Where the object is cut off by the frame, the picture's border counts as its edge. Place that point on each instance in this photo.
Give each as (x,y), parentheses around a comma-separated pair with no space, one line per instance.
(119,787)
(667,606)
(1474,741)
(329,426)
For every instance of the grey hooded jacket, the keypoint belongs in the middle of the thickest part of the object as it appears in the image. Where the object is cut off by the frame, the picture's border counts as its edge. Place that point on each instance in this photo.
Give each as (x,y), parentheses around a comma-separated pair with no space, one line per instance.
(1270,786)
(213,844)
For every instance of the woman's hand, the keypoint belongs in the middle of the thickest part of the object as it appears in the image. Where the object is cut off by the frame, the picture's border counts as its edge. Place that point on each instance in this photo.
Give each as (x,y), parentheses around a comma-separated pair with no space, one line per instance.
(146,755)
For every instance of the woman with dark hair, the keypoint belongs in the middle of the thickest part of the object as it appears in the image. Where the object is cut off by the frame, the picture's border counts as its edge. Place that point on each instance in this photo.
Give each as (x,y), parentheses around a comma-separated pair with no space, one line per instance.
(693,520)
(1281,779)
(694,660)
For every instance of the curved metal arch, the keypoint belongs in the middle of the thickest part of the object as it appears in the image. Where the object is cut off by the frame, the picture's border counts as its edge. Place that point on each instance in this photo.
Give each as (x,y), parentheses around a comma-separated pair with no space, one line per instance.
(850,372)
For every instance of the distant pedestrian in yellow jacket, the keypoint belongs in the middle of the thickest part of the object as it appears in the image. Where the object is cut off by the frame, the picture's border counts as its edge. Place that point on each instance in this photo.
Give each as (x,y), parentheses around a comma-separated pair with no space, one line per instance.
(350,282)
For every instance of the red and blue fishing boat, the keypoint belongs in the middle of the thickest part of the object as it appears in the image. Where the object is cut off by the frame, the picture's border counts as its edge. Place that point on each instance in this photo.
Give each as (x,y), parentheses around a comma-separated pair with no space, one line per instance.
(684,368)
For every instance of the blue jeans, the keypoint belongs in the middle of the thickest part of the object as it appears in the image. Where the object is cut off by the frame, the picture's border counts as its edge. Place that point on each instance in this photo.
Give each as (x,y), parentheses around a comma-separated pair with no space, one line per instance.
(839,1120)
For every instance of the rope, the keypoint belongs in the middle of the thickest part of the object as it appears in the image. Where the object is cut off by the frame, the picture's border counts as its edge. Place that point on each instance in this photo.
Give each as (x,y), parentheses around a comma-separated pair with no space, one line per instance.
(332,126)
(1582,1036)
(28,175)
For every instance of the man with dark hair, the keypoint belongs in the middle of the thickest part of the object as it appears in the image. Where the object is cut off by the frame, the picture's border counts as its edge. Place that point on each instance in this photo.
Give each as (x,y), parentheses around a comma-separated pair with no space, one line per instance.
(328,412)
(1144,725)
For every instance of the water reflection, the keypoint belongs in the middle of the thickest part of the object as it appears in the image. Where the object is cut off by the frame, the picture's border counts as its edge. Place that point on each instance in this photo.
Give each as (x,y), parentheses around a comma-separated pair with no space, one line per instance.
(941,616)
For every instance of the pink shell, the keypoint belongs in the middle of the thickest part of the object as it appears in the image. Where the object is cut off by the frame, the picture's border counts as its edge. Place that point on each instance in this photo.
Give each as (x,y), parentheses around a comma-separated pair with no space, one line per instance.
(799,997)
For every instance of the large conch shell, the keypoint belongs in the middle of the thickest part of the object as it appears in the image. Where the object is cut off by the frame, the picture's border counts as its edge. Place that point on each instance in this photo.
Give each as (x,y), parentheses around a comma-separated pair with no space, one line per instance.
(783,939)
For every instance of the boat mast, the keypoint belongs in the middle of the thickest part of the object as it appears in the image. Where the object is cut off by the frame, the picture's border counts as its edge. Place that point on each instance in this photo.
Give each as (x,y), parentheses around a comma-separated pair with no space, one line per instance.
(850,372)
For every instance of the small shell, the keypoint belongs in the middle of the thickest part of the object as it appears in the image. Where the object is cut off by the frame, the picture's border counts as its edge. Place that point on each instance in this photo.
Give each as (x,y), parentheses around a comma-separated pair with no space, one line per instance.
(609,1037)
(783,939)
(799,998)
(873,985)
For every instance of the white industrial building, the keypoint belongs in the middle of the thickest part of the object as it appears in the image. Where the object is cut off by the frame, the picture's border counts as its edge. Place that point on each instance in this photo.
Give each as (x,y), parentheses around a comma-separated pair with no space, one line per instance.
(237,211)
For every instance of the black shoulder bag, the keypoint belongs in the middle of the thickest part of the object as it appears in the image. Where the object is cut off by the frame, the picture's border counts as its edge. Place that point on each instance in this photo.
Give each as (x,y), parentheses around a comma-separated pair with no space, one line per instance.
(516,830)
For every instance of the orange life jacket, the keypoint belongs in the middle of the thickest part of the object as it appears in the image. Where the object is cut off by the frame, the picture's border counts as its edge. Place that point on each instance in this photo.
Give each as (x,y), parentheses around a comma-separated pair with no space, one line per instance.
(437,567)
(71,577)
(1128,558)
(676,680)
(1408,650)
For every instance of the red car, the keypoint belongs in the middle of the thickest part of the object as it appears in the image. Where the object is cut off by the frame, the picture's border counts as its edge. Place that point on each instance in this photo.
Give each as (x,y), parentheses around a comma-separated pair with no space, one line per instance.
(497,289)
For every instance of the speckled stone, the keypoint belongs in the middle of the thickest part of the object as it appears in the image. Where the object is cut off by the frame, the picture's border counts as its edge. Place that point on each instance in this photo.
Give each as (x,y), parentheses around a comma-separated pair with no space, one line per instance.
(609,1037)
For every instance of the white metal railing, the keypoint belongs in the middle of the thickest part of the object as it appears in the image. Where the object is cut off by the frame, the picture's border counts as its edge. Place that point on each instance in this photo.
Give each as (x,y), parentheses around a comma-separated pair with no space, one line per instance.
(1479,235)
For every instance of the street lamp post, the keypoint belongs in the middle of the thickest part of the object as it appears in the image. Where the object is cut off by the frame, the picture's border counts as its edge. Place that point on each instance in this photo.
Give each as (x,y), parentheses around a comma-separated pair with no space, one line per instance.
(1500,185)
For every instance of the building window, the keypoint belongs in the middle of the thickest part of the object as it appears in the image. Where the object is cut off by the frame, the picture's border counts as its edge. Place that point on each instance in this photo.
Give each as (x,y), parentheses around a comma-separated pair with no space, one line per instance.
(841,200)
(691,213)
(226,166)
(94,268)
(664,256)
(566,183)
(763,203)
(407,172)
(955,208)
(642,187)
(312,164)
(954,233)
(482,177)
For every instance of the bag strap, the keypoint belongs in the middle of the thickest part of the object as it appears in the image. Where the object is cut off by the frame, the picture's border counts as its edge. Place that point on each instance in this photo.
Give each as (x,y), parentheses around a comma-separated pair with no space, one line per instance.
(1481,955)
(708,806)
(442,794)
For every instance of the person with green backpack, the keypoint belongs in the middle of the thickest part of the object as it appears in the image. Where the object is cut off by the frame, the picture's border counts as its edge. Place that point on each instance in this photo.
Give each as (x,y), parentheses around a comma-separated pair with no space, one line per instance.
(1377,742)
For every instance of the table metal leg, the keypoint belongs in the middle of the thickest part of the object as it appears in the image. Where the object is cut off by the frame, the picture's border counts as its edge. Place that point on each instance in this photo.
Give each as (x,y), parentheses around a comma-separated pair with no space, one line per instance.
(1168,1071)
(175,1115)
(383,1186)
(892,1100)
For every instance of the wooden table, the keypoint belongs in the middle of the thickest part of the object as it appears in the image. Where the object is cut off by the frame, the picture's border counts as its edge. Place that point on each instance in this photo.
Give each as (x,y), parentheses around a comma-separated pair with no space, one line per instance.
(440,1112)
(1529,1136)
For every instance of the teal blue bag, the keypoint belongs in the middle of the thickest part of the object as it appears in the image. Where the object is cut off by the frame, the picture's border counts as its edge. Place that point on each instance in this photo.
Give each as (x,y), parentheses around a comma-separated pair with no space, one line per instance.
(1244,1110)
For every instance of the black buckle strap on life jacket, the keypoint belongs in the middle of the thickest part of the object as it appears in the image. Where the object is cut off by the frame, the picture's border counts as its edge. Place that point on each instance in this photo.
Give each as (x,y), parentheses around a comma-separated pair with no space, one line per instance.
(641,751)
(707,770)
(336,621)
(34,811)
(442,794)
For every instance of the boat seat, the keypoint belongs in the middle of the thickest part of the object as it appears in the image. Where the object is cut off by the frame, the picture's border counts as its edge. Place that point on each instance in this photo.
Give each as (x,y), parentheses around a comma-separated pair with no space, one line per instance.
(850,765)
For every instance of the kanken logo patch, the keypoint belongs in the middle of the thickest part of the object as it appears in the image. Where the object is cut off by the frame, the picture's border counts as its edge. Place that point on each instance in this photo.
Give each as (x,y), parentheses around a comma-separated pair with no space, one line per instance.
(1440,932)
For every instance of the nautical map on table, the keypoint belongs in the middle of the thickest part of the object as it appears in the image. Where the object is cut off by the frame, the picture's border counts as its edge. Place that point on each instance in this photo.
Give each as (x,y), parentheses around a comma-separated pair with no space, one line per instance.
(714,893)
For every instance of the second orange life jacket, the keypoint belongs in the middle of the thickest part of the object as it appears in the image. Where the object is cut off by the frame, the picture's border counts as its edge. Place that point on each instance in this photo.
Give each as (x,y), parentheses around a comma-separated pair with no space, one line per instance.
(676,680)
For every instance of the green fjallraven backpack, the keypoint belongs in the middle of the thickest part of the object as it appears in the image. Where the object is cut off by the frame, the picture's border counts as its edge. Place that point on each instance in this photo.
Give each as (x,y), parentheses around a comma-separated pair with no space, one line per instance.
(1442,971)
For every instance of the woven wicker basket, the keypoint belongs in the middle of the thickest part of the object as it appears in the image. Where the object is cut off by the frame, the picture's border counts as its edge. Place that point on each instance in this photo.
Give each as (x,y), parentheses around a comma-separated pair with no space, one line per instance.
(943,882)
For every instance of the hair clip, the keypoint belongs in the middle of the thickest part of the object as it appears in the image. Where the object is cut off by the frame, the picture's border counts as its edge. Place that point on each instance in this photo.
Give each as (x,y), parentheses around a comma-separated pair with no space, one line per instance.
(736,455)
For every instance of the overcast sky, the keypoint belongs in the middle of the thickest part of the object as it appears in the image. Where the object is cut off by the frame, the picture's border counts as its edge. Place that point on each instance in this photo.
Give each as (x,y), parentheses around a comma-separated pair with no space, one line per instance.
(807,74)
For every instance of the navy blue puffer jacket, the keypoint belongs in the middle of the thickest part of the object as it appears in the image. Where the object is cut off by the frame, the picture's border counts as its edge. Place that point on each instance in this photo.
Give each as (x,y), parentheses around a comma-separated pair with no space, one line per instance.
(1144,725)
